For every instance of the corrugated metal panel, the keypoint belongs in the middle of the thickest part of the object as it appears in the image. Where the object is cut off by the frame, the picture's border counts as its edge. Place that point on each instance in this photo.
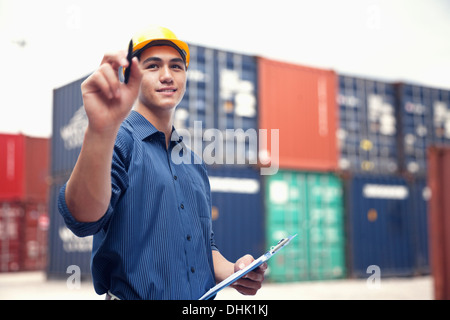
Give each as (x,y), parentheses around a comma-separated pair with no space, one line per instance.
(220,94)
(238,212)
(34,237)
(65,249)
(23,236)
(367,131)
(420,196)
(37,152)
(301,103)
(23,168)
(439,219)
(379,225)
(199,99)
(10,228)
(423,115)
(311,205)
(69,125)
(12,167)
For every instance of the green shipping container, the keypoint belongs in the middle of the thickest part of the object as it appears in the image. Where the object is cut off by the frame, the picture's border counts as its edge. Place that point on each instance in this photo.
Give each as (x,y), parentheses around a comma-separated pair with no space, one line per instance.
(311,205)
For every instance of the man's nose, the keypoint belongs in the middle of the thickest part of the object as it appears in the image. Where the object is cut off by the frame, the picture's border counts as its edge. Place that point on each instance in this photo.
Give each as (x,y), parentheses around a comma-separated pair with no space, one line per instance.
(166,75)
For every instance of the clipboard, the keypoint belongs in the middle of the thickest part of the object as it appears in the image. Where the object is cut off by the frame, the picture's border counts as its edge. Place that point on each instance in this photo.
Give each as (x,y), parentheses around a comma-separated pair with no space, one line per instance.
(255,264)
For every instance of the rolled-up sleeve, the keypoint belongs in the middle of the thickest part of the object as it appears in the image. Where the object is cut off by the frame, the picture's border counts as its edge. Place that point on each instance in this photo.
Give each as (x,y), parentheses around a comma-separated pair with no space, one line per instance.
(119,183)
(80,229)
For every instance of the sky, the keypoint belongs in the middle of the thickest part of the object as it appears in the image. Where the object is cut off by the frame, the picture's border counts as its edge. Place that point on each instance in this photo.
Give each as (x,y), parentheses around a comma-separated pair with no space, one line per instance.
(49,43)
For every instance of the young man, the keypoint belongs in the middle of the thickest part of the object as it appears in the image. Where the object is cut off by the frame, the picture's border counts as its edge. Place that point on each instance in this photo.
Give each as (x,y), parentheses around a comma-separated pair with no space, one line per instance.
(150,217)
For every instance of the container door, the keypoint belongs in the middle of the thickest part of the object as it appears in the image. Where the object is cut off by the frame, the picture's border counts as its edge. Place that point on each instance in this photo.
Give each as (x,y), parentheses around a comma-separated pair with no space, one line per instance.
(309,204)
(238,213)
(379,226)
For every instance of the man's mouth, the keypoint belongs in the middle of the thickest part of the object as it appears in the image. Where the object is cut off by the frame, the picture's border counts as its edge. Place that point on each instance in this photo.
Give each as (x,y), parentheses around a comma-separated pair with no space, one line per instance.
(167,90)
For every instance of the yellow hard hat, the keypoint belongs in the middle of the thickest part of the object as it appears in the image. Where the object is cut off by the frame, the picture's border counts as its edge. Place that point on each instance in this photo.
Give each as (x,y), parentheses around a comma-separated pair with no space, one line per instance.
(159,36)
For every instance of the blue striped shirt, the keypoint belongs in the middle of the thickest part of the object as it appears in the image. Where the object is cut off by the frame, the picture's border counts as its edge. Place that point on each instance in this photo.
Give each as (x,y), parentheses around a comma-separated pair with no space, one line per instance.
(155,240)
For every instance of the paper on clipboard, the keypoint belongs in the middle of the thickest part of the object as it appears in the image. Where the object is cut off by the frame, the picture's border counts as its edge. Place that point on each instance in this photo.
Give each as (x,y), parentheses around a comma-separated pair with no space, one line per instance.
(239,274)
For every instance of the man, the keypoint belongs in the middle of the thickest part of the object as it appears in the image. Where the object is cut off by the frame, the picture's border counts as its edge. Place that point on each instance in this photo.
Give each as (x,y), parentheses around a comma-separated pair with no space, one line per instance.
(150,217)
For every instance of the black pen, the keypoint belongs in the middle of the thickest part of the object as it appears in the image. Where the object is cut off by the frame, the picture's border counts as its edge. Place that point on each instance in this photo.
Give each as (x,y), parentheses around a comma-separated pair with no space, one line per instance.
(129,57)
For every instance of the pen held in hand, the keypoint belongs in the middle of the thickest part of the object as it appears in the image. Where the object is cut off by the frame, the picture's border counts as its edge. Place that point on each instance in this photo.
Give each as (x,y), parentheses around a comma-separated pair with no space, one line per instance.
(129,57)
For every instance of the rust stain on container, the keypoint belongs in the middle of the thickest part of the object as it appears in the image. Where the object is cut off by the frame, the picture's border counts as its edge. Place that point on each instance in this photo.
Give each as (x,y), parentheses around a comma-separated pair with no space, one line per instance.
(439,220)
(300,102)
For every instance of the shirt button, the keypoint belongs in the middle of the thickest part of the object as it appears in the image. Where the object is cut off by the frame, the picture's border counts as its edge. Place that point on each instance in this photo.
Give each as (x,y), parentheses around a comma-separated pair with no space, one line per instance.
(189,237)
(175,177)
(192,269)
(182,206)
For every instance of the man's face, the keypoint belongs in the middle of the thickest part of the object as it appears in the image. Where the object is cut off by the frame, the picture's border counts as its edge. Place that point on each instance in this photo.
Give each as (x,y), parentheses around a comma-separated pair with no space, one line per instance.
(164,78)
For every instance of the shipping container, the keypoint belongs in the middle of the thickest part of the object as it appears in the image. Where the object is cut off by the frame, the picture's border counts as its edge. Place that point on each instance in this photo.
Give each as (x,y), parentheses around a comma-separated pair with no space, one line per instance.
(34,236)
(418,209)
(69,125)
(12,173)
(220,96)
(23,236)
(379,226)
(23,168)
(300,102)
(424,116)
(10,228)
(37,163)
(65,249)
(309,204)
(238,210)
(367,133)
(439,220)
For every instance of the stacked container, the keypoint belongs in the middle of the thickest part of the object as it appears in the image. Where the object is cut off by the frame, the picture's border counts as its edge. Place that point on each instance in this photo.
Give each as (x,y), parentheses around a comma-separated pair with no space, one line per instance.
(424,115)
(220,97)
(308,204)
(305,196)
(367,132)
(238,210)
(69,125)
(23,202)
(380,231)
(300,102)
(339,137)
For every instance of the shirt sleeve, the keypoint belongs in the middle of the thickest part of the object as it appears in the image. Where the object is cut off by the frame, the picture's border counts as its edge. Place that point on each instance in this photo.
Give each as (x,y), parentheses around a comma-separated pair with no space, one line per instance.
(119,183)
(80,229)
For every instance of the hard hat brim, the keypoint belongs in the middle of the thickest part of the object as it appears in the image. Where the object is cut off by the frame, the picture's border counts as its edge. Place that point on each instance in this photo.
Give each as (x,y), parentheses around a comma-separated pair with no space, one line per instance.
(179,45)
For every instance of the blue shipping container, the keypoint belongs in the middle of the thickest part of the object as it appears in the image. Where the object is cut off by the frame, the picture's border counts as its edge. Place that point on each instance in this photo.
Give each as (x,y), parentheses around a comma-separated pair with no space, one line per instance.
(238,211)
(424,116)
(220,94)
(367,132)
(379,226)
(65,250)
(69,124)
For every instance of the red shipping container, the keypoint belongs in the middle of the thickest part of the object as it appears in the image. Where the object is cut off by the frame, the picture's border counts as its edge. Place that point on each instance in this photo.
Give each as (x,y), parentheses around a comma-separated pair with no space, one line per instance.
(10,230)
(24,167)
(300,102)
(439,220)
(12,166)
(36,169)
(33,248)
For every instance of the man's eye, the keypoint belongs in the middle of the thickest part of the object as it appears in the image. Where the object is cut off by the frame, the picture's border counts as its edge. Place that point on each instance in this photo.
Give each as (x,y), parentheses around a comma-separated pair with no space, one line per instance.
(152,66)
(177,66)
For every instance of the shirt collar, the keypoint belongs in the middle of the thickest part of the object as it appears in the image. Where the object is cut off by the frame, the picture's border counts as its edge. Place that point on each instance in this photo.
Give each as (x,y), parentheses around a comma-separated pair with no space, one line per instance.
(144,128)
